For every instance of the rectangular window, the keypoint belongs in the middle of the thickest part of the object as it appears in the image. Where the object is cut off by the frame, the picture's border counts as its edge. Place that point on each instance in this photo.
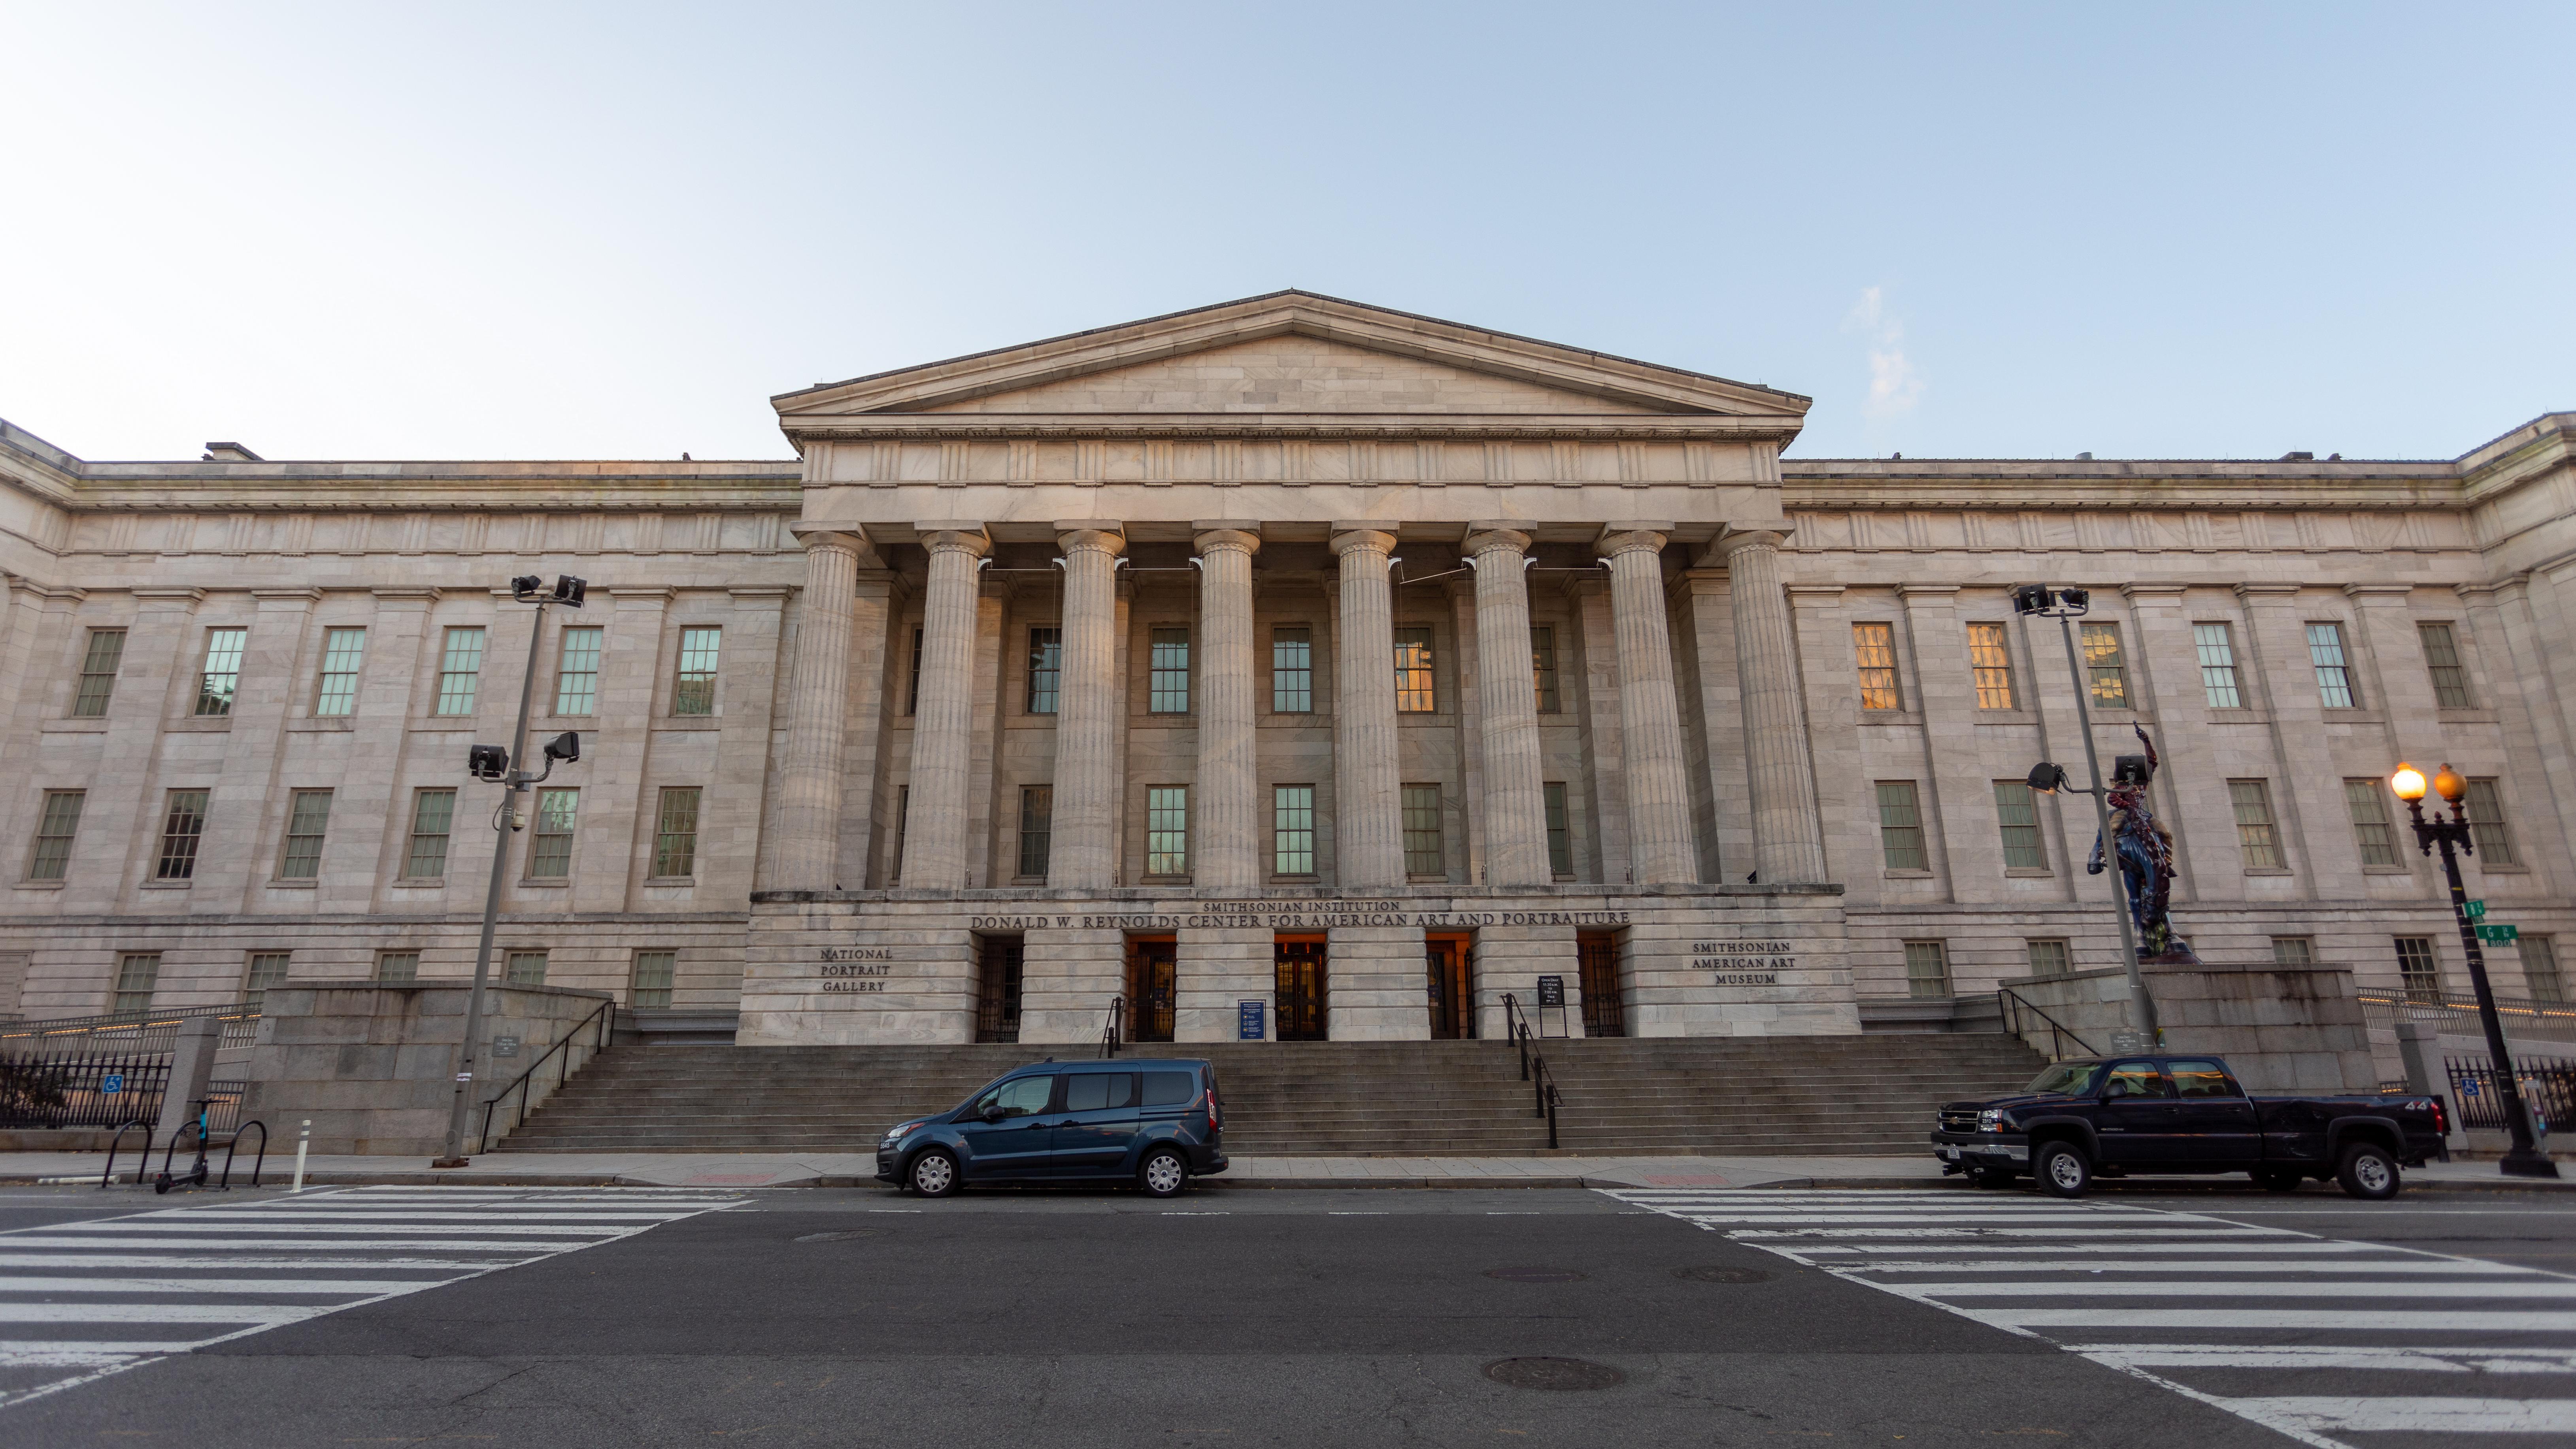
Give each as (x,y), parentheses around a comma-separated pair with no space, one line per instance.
(2106,669)
(2417,968)
(550,851)
(2293,951)
(433,812)
(1292,829)
(55,829)
(1292,671)
(308,817)
(651,990)
(1046,669)
(2367,802)
(675,832)
(2487,829)
(137,973)
(1992,663)
(577,672)
(2017,811)
(1422,853)
(2540,968)
(2217,665)
(183,824)
(1167,830)
(1543,667)
(2252,801)
(2442,659)
(1927,969)
(343,651)
(460,669)
(1560,831)
(267,969)
(1413,692)
(912,682)
(695,691)
(1037,828)
(526,968)
(2047,958)
(397,968)
(1875,647)
(1169,680)
(1900,826)
(98,673)
(221,675)
(2334,672)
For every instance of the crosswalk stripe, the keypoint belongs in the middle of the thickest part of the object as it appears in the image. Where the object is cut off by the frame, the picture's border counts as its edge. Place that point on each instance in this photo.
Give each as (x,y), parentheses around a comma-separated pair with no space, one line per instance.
(283,1225)
(2180,1265)
(358,1287)
(2376,1291)
(2421,1415)
(382,1216)
(229,1260)
(275,1244)
(158,1313)
(2436,1360)
(2505,1321)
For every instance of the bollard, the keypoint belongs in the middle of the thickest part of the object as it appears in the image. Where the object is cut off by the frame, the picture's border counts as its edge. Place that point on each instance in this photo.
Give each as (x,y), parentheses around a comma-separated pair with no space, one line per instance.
(303,1140)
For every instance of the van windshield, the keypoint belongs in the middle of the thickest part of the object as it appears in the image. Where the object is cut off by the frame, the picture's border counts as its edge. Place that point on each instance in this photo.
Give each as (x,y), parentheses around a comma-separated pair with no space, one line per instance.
(2066,1079)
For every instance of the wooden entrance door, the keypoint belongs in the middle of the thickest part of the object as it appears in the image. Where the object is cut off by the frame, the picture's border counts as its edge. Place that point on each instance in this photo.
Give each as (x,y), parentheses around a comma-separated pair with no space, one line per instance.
(1299,963)
(1150,968)
(1604,1012)
(1453,999)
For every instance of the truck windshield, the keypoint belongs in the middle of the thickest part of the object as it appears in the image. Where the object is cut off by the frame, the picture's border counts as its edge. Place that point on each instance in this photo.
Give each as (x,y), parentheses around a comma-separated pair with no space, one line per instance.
(2067,1079)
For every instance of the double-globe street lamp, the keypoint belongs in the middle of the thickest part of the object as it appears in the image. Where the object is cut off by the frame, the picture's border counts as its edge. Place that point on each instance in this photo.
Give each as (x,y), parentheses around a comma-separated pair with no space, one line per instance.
(2451,832)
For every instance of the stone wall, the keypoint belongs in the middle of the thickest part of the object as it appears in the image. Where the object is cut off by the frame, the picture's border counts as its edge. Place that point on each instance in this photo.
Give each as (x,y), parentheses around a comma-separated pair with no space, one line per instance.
(2282,1029)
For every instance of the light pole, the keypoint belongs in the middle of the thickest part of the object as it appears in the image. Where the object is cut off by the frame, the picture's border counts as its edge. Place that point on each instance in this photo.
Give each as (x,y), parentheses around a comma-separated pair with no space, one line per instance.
(2065,605)
(491,762)
(2451,833)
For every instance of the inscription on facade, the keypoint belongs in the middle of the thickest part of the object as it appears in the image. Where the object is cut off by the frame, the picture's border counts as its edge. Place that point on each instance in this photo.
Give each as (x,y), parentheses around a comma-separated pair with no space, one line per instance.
(1743,963)
(1293,916)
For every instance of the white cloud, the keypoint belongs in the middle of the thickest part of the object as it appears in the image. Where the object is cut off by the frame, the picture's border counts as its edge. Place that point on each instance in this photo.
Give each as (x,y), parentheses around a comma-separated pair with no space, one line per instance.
(1894,384)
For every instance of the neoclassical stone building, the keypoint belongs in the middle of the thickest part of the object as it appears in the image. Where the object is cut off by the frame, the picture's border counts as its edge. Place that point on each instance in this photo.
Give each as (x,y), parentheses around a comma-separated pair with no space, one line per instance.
(1286,666)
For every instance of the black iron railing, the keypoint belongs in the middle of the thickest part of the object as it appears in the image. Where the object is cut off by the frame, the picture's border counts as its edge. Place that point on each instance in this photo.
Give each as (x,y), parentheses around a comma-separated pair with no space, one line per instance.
(2059,1034)
(1116,1024)
(2457,1012)
(148,1031)
(561,1056)
(1545,1098)
(81,1084)
(2548,1089)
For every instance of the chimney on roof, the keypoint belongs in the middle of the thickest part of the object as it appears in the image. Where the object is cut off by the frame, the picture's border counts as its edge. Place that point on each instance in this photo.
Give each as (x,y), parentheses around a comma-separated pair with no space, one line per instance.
(2083,457)
(230,453)
(2298,457)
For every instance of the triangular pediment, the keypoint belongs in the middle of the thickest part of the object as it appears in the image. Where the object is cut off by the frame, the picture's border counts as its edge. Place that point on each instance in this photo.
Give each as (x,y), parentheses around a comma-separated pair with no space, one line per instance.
(1289,353)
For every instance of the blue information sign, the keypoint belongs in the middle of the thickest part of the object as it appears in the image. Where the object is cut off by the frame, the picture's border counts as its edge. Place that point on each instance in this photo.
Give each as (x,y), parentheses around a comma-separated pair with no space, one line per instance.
(111,1085)
(1248,1020)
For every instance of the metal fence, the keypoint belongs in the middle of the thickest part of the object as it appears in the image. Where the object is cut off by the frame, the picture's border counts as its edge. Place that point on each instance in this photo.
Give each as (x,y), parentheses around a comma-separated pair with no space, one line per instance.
(142,1031)
(105,1071)
(2548,1088)
(2456,1013)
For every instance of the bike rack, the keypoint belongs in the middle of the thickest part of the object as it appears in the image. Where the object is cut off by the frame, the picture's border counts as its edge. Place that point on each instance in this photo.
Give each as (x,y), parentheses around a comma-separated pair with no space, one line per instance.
(109,1174)
(233,1149)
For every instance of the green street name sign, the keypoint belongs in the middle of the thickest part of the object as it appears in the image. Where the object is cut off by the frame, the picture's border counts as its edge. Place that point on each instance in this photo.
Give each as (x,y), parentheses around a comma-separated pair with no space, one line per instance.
(2499,933)
(2475,909)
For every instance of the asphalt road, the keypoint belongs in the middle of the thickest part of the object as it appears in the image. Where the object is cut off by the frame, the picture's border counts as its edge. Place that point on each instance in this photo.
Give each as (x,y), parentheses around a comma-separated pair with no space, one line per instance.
(1228,1318)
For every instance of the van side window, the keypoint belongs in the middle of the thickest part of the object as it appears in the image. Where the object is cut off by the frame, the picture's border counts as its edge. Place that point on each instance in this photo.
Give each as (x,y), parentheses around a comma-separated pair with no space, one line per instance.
(1099,1091)
(1018,1097)
(2135,1079)
(1170,1089)
(2200,1079)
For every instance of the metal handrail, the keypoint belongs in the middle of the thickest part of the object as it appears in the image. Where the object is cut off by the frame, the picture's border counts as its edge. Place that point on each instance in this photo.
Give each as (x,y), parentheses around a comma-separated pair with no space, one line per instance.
(1545,1098)
(605,1012)
(2058,1032)
(1113,1029)
(2528,1016)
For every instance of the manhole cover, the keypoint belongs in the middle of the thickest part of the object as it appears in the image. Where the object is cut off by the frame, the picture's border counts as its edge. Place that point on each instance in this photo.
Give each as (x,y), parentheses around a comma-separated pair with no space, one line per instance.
(1722,1275)
(1554,1373)
(844,1236)
(1535,1275)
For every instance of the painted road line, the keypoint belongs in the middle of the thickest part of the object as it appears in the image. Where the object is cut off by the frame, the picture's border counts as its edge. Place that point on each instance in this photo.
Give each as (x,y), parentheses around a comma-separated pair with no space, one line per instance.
(2461,1321)
(2374,1358)
(2417,1415)
(232,1260)
(2177,1265)
(2555,1289)
(252,1287)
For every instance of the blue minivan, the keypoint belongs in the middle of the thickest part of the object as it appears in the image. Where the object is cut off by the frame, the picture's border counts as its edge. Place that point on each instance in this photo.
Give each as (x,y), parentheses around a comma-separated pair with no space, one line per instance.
(1156,1124)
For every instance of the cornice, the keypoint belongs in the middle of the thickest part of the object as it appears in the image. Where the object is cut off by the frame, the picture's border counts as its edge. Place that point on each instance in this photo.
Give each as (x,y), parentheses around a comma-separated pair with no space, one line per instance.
(1220,426)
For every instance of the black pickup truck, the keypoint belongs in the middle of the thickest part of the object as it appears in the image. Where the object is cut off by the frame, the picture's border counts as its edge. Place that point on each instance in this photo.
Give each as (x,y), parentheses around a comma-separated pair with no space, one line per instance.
(2123,1116)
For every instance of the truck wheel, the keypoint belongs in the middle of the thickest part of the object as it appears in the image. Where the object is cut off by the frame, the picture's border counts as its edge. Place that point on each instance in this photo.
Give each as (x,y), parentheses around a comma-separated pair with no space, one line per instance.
(1990,1176)
(2061,1170)
(2276,1179)
(2368,1172)
(933,1174)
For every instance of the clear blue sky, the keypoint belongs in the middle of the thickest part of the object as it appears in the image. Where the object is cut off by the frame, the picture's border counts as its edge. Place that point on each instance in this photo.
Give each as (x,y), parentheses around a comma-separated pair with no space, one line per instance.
(613,231)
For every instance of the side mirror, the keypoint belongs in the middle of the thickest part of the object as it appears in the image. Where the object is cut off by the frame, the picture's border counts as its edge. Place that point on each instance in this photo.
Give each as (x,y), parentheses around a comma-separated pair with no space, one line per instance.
(994,1113)
(2119,1087)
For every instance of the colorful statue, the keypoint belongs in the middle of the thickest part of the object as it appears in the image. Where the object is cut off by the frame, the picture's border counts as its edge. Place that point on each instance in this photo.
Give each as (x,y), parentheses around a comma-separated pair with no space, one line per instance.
(2146,855)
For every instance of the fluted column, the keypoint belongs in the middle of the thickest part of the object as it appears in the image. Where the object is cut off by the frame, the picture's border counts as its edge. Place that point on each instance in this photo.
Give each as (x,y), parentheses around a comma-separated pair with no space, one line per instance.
(943,727)
(1788,840)
(1085,854)
(818,695)
(1368,823)
(1507,709)
(1229,823)
(1650,714)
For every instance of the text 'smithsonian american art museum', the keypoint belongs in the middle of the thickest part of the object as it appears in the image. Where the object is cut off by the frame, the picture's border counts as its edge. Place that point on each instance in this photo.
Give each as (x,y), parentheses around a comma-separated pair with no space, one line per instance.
(1287,666)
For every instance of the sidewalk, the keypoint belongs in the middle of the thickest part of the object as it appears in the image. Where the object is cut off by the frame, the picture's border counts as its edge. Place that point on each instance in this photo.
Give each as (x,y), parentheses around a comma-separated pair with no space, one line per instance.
(854,1169)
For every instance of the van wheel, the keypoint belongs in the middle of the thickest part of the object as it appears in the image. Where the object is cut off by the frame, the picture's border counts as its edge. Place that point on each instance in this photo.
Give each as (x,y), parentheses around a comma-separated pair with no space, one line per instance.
(2062,1171)
(2368,1172)
(933,1174)
(2278,1180)
(1164,1173)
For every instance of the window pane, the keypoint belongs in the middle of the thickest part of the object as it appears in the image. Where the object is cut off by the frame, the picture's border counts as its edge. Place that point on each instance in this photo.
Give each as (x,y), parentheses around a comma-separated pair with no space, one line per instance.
(55,830)
(1927,969)
(695,692)
(1900,826)
(1167,830)
(2047,958)
(577,676)
(1037,827)
(526,968)
(1292,823)
(2252,800)
(652,987)
(460,666)
(1560,830)
(550,851)
(2334,675)
(2293,951)
(431,814)
(137,974)
(2442,658)
(2540,968)
(2487,829)
(1413,693)
(222,674)
(183,823)
(2105,668)
(1169,677)
(2367,802)
(675,834)
(343,651)
(1543,666)
(1292,671)
(2018,813)
(398,968)
(2417,968)
(98,673)
(267,969)
(1875,646)
(1046,668)
(1422,854)
(2217,665)
(308,815)
(1992,664)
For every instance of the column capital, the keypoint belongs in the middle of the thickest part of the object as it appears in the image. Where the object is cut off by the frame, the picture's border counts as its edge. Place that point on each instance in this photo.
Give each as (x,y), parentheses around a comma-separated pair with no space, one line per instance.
(968,539)
(1079,534)
(1738,540)
(1509,535)
(1357,537)
(2161,593)
(1617,539)
(1244,538)
(828,535)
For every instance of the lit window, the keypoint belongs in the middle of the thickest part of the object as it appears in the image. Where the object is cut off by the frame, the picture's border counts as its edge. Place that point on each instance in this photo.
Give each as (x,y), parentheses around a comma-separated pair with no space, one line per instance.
(183,825)
(1413,693)
(675,832)
(55,829)
(1900,826)
(1046,669)
(1292,829)
(308,816)
(2442,658)
(98,673)
(1927,969)
(2047,958)
(1875,646)
(2417,968)
(550,852)
(1292,671)
(460,668)
(2106,669)
(267,969)
(2488,833)
(433,812)
(695,691)
(2367,802)
(1169,681)
(137,973)
(1543,667)
(1037,828)
(526,968)
(577,675)
(1560,831)
(2018,813)
(2252,801)
(2334,672)
(343,651)
(1993,666)
(651,990)
(1422,853)
(1167,830)
(221,676)
(2217,665)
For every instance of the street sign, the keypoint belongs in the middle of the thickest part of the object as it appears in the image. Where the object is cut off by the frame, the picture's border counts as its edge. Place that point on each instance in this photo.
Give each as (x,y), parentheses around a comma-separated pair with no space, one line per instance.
(1551,991)
(1248,1020)
(2474,910)
(111,1085)
(2499,933)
